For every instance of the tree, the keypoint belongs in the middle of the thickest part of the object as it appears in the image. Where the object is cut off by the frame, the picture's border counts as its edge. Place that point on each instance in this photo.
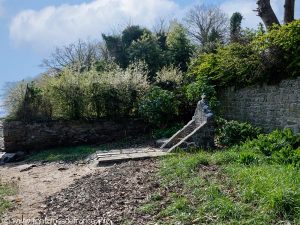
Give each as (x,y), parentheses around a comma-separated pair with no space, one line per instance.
(179,46)
(289,10)
(116,49)
(146,49)
(118,45)
(235,27)
(80,55)
(132,33)
(202,20)
(265,11)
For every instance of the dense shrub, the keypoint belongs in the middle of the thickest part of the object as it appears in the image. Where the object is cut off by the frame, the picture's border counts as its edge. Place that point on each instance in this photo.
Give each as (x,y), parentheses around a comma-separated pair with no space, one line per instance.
(67,94)
(280,146)
(26,101)
(158,106)
(109,93)
(233,132)
(169,78)
(275,53)
(233,64)
(279,49)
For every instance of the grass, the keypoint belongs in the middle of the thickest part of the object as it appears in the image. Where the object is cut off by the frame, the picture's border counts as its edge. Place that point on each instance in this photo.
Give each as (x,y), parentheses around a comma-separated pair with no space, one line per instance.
(72,154)
(5,190)
(225,187)
(69,154)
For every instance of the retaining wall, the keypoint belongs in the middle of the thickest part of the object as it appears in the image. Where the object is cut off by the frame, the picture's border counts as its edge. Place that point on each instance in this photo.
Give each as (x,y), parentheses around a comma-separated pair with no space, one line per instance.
(267,106)
(21,136)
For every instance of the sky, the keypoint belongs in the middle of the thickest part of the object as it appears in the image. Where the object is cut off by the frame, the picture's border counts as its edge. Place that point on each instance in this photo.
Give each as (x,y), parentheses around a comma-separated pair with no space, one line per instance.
(31,29)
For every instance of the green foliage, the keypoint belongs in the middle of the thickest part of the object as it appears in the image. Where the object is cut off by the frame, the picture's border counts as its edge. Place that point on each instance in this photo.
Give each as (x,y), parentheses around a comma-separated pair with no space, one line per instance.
(158,106)
(179,46)
(273,188)
(233,132)
(132,33)
(5,191)
(195,90)
(116,49)
(286,41)
(235,26)
(67,94)
(26,102)
(243,189)
(146,49)
(280,146)
(109,93)
(260,57)
(70,154)
(248,158)
(169,78)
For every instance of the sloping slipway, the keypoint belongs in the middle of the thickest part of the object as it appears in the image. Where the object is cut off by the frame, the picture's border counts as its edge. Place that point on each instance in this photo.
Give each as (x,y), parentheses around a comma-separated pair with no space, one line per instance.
(199,132)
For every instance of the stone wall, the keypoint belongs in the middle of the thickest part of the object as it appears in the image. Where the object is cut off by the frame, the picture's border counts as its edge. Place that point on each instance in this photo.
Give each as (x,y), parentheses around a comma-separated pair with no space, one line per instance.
(21,136)
(268,106)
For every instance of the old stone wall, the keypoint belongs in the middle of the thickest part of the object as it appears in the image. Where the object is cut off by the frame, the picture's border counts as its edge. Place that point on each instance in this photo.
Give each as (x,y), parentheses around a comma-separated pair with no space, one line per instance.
(21,136)
(267,106)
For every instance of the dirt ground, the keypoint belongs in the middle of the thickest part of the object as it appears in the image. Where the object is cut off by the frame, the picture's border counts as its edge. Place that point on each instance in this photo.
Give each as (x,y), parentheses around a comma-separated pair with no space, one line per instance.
(35,183)
(80,194)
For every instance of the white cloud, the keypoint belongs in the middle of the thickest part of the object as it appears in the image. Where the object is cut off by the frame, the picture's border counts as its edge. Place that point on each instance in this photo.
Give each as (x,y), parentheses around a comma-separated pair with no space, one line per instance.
(52,26)
(246,7)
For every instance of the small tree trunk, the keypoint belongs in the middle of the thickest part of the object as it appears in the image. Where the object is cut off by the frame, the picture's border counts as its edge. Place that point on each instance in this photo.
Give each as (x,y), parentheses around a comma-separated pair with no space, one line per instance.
(289,10)
(266,13)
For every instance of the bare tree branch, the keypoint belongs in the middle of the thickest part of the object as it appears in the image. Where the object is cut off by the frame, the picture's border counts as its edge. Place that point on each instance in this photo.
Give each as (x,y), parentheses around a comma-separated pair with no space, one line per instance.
(80,55)
(201,20)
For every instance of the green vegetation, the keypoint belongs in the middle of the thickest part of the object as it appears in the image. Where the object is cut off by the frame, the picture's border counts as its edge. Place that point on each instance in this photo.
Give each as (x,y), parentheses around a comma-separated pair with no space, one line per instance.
(68,154)
(158,76)
(5,190)
(279,146)
(243,64)
(233,132)
(72,154)
(240,185)
(158,106)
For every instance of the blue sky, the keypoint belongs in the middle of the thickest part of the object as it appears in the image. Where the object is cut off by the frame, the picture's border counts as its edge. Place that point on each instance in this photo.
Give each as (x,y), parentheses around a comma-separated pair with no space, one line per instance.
(30,29)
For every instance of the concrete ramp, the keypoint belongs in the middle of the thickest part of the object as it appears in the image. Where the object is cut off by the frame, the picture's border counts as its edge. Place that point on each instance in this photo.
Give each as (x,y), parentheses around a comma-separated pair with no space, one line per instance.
(199,132)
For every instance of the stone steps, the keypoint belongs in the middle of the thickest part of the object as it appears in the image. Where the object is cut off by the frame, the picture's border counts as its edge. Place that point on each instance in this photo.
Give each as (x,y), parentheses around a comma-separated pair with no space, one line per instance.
(199,132)
(120,155)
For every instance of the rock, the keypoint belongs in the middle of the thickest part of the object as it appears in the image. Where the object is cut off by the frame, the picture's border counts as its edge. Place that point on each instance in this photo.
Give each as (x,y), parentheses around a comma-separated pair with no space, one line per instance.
(7,157)
(11,157)
(28,167)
